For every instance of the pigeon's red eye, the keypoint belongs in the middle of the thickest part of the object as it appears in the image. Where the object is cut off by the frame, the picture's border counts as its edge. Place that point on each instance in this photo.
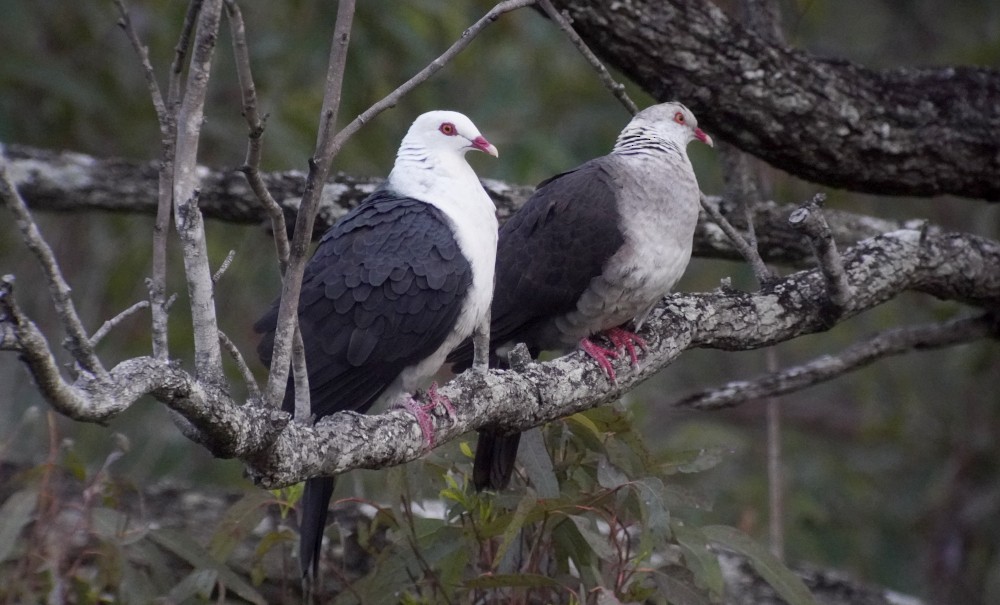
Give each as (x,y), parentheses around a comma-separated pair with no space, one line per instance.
(679,117)
(448,129)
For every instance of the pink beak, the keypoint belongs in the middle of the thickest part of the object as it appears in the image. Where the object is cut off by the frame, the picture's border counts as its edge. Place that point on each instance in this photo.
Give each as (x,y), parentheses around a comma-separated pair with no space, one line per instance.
(704,138)
(485,146)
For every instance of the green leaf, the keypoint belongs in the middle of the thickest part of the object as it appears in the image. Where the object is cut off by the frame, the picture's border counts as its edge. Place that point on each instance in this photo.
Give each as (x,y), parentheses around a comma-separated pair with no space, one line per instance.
(113,526)
(586,431)
(570,545)
(699,558)
(199,558)
(677,591)
(198,583)
(655,515)
(695,461)
(515,524)
(608,476)
(598,543)
(466,449)
(788,585)
(15,513)
(534,456)
(240,519)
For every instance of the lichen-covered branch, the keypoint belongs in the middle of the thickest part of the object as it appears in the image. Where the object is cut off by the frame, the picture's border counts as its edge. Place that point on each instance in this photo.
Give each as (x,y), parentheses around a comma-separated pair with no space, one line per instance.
(964,267)
(896,341)
(186,194)
(907,131)
(73,182)
(950,266)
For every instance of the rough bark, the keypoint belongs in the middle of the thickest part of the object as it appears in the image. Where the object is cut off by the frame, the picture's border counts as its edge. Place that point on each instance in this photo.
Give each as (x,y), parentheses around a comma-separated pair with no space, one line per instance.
(902,131)
(74,182)
(950,266)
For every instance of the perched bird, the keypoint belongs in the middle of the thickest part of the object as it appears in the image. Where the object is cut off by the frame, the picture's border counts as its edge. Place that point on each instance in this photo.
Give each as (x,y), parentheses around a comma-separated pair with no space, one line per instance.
(392,288)
(592,250)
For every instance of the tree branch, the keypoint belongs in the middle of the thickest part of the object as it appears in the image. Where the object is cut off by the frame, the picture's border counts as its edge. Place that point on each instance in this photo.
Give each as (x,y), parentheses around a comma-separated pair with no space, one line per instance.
(187,216)
(964,267)
(886,344)
(616,88)
(903,131)
(298,250)
(950,266)
(72,182)
(808,219)
(78,342)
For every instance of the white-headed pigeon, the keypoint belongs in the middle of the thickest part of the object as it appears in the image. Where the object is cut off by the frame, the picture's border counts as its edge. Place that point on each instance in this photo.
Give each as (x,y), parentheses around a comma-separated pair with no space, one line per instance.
(392,288)
(590,253)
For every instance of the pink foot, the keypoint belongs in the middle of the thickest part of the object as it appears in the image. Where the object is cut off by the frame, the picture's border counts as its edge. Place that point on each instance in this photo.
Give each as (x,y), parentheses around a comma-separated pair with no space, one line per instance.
(422,411)
(623,339)
(601,356)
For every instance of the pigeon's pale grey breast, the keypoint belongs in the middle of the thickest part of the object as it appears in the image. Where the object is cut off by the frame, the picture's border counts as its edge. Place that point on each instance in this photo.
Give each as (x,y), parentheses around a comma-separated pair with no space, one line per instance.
(658,200)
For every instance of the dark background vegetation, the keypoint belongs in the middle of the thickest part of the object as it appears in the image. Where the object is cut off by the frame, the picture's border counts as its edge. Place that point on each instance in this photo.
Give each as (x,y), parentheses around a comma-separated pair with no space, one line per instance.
(893,472)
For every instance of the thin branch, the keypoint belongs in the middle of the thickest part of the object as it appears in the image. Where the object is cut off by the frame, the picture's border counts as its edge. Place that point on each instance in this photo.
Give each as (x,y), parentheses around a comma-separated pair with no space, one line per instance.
(125,22)
(566,24)
(187,216)
(809,220)
(241,365)
(78,341)
(114,321)
(180,50)
(886,344)
(748,252)
(319,167)
(423,75)
(223,267)
(255,123)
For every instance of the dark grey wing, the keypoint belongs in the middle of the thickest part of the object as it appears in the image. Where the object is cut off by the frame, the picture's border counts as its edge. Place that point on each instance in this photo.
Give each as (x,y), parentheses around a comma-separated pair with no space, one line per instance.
(549,251)
(381,293)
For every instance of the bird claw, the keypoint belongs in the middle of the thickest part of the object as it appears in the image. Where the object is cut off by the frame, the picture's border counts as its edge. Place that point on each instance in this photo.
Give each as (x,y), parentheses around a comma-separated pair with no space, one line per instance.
(625,340)
(422,411)
(601,356)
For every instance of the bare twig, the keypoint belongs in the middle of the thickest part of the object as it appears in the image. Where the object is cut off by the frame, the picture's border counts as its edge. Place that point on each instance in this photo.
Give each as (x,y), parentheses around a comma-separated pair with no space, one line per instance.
(809,220)
(436,65)
(319,167)
(564,21)
(223,267)
(125,22)
(748,252)
(114,321)
(255,123)
(78,341)
(180,51)
(187,216)
(891,342)
(241,365)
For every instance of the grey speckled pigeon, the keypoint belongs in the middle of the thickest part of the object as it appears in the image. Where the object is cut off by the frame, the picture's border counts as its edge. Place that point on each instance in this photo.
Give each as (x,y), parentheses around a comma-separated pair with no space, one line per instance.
(392,288)
(591,252)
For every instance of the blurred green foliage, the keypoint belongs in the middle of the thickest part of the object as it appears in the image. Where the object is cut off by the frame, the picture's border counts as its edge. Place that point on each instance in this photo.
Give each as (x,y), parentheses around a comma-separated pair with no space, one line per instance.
(892,472)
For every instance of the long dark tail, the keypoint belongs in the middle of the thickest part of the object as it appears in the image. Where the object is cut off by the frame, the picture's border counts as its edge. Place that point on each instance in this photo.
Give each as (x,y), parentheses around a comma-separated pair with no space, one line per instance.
(495,457)
(315,504)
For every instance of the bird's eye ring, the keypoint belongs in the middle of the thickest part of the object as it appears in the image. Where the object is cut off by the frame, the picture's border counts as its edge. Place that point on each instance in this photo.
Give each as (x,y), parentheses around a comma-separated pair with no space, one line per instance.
(448,129)
(679,117)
